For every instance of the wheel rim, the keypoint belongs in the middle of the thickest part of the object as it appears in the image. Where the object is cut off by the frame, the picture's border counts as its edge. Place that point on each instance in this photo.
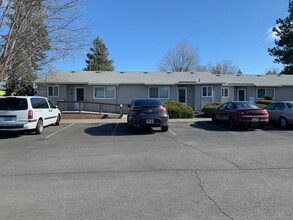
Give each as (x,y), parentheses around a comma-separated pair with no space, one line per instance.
(41,126)
(283,122)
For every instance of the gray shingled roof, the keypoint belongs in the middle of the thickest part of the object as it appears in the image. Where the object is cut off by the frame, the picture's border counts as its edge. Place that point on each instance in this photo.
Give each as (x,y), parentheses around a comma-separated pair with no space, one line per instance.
(161,78)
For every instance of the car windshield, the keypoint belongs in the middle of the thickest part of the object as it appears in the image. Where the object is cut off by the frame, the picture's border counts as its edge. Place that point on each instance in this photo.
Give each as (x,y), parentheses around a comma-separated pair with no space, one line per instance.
(290,105)
(244,105)
(13,104)
(147,102)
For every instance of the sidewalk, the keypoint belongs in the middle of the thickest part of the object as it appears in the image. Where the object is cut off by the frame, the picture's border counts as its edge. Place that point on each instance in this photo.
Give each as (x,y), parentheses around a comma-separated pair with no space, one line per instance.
(124,120)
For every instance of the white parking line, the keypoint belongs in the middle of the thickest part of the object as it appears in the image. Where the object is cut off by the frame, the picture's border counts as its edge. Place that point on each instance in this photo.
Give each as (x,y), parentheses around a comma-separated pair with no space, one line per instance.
(223,129)
(59,131)
(115,129)
(172,132)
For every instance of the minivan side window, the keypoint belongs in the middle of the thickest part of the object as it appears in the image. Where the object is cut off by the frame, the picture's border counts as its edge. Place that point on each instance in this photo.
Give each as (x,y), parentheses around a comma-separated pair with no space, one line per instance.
(39,103)
(52,105)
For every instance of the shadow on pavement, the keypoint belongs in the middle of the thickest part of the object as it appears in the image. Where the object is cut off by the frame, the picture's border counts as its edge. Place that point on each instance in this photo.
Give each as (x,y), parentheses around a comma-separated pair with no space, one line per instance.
(114,129)
(211,126)
(10,134)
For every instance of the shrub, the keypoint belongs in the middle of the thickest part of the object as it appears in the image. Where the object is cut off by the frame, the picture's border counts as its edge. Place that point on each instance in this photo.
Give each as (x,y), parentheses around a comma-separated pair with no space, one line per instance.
(210,107)
(263,103)
(178,110)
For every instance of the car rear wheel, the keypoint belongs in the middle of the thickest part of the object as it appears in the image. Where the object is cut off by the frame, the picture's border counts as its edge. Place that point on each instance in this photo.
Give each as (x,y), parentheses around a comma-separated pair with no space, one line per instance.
(231,123)
(283,122)
(164,128)
(130,128)
(40,127)
(214,119)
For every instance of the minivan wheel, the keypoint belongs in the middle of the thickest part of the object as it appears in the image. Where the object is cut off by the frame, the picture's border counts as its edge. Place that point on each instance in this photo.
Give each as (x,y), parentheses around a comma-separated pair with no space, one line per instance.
(40,127)
(283,122)
(57,123)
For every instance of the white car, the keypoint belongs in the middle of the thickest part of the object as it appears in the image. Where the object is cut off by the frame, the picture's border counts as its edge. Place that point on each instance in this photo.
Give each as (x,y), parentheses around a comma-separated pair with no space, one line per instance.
(19,113)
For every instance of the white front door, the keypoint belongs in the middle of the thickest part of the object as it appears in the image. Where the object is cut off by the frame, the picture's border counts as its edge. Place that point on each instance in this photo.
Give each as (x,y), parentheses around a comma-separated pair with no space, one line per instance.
(241,94)
(182,95)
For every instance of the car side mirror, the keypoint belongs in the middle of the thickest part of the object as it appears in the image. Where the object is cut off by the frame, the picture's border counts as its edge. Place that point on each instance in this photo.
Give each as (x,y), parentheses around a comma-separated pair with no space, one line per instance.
(128,105)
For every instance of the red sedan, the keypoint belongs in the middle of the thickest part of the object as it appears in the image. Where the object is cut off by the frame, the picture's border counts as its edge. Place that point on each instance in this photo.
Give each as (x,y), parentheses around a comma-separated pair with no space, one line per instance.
(241,113)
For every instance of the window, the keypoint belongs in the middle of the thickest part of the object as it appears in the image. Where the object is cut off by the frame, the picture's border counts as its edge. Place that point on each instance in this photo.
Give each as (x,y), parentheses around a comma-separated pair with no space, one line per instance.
(225,92)
(160,92)
(13,104)
(53,91)
(261,93)
(104,92)
(207,91)
(39,103)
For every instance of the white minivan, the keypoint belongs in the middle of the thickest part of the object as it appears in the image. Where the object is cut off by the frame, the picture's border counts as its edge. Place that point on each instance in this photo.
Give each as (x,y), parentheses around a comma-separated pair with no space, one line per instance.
(27,113)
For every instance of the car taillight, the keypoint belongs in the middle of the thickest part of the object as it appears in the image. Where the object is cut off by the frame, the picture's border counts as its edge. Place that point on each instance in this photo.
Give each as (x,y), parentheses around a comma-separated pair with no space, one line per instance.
(265,112)
(162,110)
(30,114)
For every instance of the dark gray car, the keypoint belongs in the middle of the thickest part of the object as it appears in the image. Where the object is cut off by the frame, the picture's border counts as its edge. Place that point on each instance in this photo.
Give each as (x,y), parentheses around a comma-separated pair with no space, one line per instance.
(147,112)
(281,113)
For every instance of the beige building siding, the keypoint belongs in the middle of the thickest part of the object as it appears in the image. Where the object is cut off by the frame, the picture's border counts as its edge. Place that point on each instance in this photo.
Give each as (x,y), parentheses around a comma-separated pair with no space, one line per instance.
(284,93)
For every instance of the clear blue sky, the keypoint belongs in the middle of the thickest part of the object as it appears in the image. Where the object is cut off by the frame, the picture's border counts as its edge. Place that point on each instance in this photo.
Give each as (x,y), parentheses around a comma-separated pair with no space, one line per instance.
(138,33)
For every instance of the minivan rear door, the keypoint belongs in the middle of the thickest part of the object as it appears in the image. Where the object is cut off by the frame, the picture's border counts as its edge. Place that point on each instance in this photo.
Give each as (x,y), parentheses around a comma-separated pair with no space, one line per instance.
(13,111)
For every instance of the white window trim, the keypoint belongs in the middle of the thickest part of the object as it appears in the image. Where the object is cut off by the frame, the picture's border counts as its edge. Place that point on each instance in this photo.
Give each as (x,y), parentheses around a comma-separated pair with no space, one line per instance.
(265,92)
(223,96)
(48,95)
(94,89)
(159,91)
(207,96)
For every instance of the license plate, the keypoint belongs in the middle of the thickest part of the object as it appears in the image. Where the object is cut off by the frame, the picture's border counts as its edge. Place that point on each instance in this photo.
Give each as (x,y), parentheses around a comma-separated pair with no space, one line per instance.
(9,119)
(255,120)
(150,121)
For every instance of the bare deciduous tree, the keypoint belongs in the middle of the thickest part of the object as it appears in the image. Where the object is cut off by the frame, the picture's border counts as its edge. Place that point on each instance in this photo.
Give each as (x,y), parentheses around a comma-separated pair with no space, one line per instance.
(59,18)
(180,59)
(272,71)
(224,67)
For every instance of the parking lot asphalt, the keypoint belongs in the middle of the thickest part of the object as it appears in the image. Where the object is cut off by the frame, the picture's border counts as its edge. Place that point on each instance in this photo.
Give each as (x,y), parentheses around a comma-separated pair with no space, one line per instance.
(96,169)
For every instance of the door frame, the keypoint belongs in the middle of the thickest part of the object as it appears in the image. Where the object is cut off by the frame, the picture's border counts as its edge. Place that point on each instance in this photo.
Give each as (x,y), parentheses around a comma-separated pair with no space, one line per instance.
(75,97)
(242,89)
(185,88)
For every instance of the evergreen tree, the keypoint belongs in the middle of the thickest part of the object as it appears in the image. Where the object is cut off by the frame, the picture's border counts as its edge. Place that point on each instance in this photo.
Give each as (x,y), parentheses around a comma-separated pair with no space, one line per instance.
(98,60)
(283,51)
